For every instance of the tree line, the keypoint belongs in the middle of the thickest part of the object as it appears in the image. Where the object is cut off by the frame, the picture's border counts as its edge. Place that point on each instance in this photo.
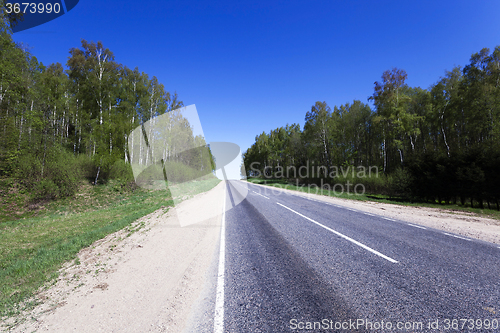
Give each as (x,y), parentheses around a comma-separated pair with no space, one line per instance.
(59,125)
(437,144)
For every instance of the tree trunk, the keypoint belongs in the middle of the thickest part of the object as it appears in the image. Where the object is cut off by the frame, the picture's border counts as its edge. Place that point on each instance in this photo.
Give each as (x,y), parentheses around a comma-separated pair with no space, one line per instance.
(97,176)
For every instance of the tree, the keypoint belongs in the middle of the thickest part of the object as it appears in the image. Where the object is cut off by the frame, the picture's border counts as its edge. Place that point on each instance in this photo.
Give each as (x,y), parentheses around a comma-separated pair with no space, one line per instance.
(95,84)
(354,127)
(445,116)
(391,101)
(13,86)
(318,130)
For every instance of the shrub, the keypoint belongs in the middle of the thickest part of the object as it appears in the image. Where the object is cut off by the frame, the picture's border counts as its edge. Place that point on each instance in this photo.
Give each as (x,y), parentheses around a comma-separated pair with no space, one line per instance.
(86,167)
(399,183)
(177,172)
(121,171)
(50,175)
(45,189)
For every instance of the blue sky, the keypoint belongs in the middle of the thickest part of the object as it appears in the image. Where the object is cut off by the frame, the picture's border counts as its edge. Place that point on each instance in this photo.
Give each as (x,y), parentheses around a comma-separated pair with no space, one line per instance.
(252,66)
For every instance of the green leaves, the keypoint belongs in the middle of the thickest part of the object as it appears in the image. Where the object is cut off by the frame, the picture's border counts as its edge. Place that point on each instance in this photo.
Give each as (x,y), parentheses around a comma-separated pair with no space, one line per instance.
(89,110)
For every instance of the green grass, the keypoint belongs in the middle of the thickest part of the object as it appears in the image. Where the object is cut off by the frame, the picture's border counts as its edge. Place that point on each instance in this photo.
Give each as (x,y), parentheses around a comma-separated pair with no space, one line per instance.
(188,189)
(15,202)
(33,249)
(12,200)
(285,184)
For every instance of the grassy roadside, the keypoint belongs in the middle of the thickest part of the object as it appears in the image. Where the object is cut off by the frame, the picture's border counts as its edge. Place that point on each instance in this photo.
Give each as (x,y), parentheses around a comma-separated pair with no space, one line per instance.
(33,248)
(284,184)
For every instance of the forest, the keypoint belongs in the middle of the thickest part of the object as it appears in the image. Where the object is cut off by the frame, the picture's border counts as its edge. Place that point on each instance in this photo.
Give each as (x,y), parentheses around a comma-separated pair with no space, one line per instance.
(60,126)
(438,145)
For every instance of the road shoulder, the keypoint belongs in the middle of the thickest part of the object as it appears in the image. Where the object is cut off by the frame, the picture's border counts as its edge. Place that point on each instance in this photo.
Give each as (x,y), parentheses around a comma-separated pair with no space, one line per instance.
(145,281)
(461,223)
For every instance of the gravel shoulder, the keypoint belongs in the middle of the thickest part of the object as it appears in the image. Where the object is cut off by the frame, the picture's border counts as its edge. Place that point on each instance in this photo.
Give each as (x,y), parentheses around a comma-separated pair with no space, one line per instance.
(145,281)
(458,222)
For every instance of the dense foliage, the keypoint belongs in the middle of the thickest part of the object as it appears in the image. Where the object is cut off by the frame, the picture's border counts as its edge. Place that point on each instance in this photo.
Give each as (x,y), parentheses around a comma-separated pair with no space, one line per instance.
(58,126)
(438,144)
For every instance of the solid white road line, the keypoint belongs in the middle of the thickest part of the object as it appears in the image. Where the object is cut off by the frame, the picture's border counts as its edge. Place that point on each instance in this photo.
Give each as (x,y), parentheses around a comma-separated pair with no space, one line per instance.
(260,194)
(343,236)
(416,226)
(456,236)
(219,299)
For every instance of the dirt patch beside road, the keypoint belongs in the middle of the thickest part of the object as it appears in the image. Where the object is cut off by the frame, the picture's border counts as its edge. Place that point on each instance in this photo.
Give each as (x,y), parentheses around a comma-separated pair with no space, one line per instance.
(144,281)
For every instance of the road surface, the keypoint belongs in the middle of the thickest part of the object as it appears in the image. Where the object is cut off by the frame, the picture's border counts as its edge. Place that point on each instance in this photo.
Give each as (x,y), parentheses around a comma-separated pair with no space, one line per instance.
(291,263)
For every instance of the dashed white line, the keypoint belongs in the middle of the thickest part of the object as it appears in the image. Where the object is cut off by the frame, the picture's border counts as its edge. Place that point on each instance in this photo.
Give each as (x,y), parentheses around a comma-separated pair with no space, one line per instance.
(369,214)
(260,194)
(343,236)
(219,299)
(389,219)
(416,226)
(456,236)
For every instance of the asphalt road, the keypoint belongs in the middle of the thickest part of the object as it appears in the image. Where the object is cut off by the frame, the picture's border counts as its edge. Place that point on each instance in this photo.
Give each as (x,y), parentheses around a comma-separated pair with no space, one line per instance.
(291,263)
